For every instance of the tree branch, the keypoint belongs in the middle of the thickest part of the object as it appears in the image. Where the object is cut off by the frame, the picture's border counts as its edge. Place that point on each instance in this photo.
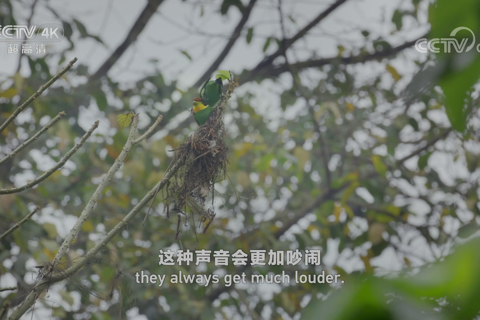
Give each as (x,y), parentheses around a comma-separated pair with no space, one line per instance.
(289,42)
(15,227)
(149,131)
(272,71)
(34,138)
(97,194)
(308,209)
(233,38)
(36,94)
(55,167)
(428,145)
(133,34)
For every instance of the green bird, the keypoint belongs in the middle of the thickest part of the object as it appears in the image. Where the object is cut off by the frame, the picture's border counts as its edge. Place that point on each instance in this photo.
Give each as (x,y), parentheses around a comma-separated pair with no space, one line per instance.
(211,92)
(201,112)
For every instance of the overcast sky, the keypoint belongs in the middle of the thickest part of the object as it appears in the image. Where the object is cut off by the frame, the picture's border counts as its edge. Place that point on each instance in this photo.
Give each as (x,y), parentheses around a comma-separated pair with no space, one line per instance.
(172,30)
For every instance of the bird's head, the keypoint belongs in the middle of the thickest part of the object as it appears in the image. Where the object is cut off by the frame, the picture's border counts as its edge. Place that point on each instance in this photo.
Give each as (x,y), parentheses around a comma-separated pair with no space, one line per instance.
(198,105)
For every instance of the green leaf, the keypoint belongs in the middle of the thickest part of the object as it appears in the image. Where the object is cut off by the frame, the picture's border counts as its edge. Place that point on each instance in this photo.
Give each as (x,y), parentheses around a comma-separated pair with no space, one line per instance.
(267,44)
(378,164)
(249,35)
(226,4)
(185,53)
(84,32)
(67,30)
(66,297)
(9,93)
(349,192)
(382,45)
(460,70)
(51,230)
(264,163)
(423,160)
(224,74)
(468,230)
(397,19)
(395,75)
(413,123)
(81,28)
(456,86)
(101,100)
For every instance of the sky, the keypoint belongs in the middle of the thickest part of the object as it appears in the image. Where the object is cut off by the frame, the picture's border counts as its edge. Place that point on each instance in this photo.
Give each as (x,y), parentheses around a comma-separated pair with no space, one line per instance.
(172,30)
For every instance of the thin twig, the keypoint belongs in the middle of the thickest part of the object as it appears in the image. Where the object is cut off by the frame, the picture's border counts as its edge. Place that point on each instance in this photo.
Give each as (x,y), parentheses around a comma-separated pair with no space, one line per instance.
(8,289)
(190,161)
(149,131)
(37,94)
(272,71)
(132,36)
(4,312)
(231,42)
(300,34)
(296,82)
(16,226)
(97,194)
(55,167)
(34,138)
(428,145)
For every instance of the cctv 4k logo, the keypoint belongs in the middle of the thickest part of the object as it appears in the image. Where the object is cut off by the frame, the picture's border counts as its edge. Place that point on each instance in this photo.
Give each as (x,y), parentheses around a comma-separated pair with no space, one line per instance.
(48,32)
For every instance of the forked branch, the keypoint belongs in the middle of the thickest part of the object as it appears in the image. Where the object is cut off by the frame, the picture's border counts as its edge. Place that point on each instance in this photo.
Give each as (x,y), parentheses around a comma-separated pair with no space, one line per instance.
(37,94)
(59,164)
(17,225)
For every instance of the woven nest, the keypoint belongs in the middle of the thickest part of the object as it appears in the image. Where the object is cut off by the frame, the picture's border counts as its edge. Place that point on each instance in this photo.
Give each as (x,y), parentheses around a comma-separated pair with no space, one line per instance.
(205,157)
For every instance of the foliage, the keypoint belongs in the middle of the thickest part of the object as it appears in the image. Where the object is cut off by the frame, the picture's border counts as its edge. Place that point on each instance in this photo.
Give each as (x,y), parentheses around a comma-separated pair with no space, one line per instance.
(446,290)
(360,168)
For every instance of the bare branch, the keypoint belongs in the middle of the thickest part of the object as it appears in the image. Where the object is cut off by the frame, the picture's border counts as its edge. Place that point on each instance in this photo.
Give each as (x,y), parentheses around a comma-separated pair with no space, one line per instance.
(55,167)
(428,145)
(231,42)
(8,289)
(306,210)
(133,34)
(149,131)
(15,227)
(289,42)
(34,138)
(271,71)
(36,94)
(97,194)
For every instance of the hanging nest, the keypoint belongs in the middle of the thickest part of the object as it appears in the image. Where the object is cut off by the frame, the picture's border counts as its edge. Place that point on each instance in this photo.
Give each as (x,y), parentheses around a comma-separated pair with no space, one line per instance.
(205,157)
